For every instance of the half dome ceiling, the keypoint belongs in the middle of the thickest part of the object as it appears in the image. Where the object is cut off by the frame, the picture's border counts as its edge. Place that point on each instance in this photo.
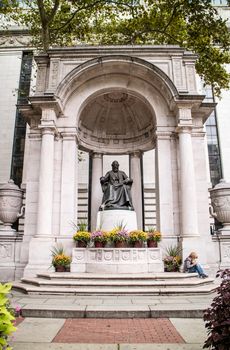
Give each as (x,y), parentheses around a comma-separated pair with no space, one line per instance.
(118,121)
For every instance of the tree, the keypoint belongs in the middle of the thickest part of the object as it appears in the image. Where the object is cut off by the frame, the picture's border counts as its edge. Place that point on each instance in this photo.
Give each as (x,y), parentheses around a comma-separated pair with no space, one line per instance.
(192,24)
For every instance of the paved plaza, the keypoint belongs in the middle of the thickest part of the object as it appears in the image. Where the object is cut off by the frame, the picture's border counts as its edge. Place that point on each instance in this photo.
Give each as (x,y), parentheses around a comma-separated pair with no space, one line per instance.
(174,323)
(109,334)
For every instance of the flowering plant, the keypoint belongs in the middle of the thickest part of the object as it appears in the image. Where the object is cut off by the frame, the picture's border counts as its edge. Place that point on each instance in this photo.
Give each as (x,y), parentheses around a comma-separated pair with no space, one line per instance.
(172,260)
(59,258)
(100,236)
(153,235)
(82,236)
(118,235)
(137,235)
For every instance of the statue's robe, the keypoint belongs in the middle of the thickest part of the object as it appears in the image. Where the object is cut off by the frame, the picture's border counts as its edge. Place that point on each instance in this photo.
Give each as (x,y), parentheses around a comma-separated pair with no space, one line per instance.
(116,193)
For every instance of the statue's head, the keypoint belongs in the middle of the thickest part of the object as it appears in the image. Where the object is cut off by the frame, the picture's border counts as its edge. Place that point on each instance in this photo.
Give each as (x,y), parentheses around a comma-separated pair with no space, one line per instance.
(115,166)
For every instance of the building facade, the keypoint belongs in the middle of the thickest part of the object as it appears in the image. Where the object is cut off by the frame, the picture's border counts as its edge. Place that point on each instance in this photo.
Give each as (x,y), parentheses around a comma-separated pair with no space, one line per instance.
(89,106)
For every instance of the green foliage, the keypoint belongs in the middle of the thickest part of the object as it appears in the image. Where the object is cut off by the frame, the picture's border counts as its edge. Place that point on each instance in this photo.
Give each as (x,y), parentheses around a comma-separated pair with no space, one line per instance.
(173,250)
(6,317)
(172,259)
(194,25)
(216,317)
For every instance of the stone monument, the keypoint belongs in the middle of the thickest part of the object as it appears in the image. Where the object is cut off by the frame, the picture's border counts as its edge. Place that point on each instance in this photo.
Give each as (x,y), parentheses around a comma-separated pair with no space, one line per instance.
(116,206)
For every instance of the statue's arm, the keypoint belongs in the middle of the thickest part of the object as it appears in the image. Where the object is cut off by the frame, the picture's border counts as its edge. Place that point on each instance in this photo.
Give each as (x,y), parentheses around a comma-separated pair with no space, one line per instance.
(104,179)
(127,180)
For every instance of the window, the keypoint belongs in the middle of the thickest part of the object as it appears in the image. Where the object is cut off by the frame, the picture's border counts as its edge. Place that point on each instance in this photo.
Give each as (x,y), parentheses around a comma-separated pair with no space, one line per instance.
(20,124)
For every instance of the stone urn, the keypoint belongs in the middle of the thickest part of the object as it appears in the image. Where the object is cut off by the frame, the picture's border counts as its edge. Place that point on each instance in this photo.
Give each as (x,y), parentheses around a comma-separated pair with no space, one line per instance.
(10,204)
(220,204)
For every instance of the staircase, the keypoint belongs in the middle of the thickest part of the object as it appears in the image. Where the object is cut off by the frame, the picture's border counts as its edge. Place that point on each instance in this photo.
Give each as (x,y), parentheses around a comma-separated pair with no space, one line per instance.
(117,284)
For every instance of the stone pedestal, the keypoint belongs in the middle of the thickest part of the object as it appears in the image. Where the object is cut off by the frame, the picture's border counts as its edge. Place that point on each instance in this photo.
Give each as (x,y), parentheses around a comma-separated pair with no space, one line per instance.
(108,219)
(10,267)
(116,260)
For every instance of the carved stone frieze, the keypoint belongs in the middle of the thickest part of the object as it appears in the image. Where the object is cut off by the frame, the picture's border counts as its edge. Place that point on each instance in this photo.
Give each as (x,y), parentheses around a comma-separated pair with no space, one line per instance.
(116,260)
(226,252)
(6,251)
(54,70)
(14,40)
(191,77)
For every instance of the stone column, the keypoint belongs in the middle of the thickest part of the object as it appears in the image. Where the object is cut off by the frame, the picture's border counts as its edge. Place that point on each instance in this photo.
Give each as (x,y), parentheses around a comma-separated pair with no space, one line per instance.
(189,220)
(68,211)
(137,197)
(164,188)
(45,191)
(96,191)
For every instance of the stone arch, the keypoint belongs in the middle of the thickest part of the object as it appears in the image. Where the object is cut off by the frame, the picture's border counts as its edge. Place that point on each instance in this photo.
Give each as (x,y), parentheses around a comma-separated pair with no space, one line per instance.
(144,88)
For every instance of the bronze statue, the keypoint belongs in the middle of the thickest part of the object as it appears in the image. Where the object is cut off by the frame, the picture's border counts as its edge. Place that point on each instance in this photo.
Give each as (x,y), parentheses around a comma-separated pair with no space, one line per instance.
(116,187)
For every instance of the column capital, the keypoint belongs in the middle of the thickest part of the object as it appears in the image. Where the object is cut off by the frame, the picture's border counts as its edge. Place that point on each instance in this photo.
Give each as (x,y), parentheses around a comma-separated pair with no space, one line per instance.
(48,130)
(163,135)
(136,154)
(97,155)
(69,136)
(184,129)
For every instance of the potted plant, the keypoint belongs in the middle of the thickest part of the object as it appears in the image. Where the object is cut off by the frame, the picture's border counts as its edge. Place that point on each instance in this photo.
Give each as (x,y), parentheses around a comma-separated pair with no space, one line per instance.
(153,237)
(82,236)
(119,237)
(137,238)
(60,261)
(172,260)
(99,238)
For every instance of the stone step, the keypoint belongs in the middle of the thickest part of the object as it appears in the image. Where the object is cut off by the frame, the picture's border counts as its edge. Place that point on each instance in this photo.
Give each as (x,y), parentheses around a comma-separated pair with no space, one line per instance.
(124,276)
(58,290)
(127,284)
(118,284)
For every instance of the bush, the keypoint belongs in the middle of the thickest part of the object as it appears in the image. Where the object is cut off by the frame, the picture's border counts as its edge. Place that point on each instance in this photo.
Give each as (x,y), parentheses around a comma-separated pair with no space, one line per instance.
(217,317)
(6,317)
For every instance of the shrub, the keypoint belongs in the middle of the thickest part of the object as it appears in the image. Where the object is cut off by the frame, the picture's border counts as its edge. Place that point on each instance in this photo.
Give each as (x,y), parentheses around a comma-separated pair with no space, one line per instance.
(6,317)
(217,317)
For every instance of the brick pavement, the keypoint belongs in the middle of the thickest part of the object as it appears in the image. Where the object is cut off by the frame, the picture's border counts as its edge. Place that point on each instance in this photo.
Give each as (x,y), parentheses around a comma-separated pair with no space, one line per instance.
(113,331)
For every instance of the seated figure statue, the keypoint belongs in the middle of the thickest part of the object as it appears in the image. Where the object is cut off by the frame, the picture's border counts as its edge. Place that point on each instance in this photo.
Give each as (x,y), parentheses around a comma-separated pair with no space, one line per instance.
(116,187)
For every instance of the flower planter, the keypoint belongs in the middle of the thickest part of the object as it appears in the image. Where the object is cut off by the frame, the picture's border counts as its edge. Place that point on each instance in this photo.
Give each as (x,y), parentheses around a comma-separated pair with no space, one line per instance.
(99,244)
(81,244)
(152,244)
(60,268)
(137,244)
(171,269)
(120,244)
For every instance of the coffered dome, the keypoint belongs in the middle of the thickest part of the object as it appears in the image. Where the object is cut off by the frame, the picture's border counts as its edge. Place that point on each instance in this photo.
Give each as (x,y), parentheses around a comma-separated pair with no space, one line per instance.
(118,122)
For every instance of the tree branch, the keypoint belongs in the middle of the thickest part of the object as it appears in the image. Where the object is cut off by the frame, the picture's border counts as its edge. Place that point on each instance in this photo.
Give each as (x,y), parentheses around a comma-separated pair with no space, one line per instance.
(88,7)
(54,11)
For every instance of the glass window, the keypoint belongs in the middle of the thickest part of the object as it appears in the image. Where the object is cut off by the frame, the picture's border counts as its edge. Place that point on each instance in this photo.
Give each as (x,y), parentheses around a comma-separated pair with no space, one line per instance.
(20,124)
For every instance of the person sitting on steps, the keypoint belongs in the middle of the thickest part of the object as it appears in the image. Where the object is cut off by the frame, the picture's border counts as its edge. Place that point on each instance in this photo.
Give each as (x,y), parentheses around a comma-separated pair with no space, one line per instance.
(191,265)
